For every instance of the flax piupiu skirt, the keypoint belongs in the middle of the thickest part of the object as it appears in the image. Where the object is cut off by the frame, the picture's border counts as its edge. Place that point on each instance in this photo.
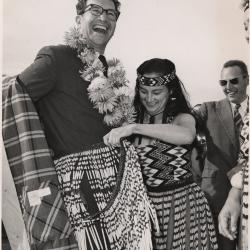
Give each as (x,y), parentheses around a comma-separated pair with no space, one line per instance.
(106,199)
(185,220)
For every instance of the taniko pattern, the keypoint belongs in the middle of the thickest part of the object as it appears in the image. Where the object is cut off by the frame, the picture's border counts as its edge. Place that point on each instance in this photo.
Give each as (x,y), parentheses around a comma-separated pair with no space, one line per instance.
(165,165)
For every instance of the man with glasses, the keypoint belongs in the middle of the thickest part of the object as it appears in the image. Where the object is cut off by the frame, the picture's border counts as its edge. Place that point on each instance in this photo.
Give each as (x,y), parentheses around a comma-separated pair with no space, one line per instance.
(71,123)
(222,122)
(233,218)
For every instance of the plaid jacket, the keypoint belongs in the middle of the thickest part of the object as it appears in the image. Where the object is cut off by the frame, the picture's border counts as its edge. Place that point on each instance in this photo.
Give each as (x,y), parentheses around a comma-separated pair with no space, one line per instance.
(31,165)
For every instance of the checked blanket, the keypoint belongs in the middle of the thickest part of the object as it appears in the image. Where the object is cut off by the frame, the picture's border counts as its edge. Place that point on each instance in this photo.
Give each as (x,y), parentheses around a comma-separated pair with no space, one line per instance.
(32,168)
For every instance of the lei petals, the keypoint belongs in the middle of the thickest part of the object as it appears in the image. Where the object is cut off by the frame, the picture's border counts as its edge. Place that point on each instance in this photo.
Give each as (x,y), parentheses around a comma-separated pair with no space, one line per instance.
(106,105)
(110,95)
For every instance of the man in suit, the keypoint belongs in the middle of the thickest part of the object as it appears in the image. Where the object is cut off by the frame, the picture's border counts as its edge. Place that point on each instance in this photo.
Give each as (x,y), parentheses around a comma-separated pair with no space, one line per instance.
(222,135)
(236,205)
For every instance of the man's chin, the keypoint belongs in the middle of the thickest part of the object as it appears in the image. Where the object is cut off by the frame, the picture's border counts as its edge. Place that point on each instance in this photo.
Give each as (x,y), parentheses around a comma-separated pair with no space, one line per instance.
(100,39)
(233,100)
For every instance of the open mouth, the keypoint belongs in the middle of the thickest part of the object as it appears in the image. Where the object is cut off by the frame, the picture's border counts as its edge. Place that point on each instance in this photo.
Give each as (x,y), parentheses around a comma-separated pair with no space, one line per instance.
(100,28)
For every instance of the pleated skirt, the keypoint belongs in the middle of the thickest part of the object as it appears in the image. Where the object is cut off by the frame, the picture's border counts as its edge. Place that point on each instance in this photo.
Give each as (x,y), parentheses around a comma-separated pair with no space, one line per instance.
(185,220)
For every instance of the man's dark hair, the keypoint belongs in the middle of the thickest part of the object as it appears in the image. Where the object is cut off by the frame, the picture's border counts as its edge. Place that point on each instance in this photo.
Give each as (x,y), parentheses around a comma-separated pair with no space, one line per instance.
(238,63)
(81,4)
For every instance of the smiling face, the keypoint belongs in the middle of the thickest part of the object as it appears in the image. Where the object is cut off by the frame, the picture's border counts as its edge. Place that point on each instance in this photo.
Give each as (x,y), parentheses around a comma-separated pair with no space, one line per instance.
(97,29)
(153,98)
(237,92)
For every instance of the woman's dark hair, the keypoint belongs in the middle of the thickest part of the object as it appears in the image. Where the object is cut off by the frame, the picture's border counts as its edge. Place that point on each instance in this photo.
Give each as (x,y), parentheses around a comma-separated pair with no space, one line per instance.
(81,5)
(178,100)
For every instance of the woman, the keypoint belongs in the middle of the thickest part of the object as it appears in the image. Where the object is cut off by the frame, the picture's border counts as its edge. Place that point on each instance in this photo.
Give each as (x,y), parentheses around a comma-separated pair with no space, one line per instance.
(163,136)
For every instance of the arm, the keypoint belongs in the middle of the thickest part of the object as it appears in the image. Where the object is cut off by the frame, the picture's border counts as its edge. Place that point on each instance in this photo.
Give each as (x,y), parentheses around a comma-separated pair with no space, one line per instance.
(235,176)
(182,131)
(200,113)
(197,166)
(200,145)
(39,77)
(230,213)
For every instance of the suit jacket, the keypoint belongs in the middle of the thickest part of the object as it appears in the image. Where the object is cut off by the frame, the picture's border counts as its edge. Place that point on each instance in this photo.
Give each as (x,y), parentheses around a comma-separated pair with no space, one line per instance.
(222,151)
(53,82)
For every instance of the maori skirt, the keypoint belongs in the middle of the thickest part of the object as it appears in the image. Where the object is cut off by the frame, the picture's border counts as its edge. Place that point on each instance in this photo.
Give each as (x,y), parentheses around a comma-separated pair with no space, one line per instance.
(184,218)
(105,197)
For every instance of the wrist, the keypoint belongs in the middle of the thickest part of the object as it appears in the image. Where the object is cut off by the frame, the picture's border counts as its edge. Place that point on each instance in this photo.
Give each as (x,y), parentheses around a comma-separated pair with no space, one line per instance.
(134,128)
(235,194)
(236,180)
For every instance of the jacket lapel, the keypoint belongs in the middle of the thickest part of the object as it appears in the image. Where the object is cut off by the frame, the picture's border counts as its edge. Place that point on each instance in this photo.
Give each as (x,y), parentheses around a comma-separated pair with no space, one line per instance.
(225,116)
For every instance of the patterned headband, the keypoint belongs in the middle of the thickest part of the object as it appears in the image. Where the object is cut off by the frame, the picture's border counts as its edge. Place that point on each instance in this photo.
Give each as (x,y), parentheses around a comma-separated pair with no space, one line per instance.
(156,81)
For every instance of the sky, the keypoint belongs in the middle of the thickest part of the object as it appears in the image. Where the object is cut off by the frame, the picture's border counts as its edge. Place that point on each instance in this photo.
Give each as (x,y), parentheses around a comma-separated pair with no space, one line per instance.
(197,35)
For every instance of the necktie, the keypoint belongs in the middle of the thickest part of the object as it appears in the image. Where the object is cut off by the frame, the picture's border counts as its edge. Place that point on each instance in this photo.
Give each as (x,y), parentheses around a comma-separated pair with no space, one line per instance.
(237,118)
(105,64)
(237,123)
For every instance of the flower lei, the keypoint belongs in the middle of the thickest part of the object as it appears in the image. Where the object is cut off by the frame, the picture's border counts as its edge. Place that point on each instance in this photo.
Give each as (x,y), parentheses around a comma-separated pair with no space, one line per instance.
(110,95)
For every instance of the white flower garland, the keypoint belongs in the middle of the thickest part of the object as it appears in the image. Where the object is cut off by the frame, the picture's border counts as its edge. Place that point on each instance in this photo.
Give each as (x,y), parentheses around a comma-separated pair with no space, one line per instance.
(110,95)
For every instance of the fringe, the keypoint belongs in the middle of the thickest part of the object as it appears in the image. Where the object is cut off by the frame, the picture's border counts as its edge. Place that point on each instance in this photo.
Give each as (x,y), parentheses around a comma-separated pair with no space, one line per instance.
(125,211)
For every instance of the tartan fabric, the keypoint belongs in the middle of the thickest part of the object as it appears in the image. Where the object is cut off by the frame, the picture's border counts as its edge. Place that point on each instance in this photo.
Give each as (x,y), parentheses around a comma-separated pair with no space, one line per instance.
(32,168)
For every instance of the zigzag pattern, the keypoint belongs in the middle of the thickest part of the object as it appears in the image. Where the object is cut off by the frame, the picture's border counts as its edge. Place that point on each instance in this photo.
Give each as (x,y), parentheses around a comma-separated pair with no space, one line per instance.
(164,163)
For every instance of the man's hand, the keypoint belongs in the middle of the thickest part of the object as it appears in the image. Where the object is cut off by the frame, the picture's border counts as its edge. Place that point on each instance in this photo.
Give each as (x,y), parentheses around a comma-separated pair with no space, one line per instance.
(229,214)
(114,136)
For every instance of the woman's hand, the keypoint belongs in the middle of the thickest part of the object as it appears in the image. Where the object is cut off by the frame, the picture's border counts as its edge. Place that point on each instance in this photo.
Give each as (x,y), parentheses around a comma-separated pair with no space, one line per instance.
(114,136)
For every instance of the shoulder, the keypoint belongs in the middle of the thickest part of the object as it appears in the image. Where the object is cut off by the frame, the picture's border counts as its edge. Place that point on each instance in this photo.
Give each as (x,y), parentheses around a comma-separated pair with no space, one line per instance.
(184,118)
(207,107)
(60,56)
(215,104)
(56,51)
(208,104)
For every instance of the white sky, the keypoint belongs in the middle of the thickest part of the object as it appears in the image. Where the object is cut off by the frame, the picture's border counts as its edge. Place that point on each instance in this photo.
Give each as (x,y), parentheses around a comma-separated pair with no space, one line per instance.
(197,35)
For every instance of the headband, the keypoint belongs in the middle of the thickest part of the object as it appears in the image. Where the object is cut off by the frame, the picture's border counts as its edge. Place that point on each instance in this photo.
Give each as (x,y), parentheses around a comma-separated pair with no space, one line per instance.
(156,81)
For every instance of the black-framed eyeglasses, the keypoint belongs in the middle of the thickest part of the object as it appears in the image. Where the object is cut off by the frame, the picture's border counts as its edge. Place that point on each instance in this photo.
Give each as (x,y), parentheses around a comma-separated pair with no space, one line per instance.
(233,81)
(97,10)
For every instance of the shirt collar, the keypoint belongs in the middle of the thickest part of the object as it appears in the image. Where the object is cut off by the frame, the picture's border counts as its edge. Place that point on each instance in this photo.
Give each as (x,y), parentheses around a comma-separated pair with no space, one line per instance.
(243,106)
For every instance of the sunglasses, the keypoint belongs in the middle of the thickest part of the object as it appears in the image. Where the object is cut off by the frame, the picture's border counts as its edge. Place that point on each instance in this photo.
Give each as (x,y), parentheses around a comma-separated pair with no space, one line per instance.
(233,81)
